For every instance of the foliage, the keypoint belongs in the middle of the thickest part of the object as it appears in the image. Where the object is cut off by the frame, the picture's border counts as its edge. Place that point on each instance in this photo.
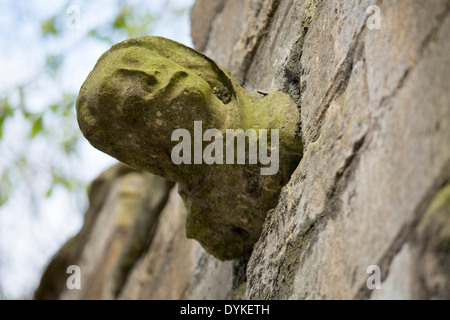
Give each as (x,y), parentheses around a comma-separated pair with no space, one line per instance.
(55,124)
(40,142)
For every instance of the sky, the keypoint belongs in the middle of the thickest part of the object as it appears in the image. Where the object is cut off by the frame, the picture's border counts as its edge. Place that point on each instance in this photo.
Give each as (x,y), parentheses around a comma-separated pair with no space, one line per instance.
(32,227)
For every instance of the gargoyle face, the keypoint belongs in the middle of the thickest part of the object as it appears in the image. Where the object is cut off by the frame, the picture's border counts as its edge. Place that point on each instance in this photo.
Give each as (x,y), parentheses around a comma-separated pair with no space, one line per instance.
(158,91)
(143,89)
(146,92)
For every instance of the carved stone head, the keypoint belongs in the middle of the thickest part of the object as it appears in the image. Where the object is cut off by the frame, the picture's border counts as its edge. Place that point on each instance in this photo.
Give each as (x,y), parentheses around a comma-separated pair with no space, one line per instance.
(143,89)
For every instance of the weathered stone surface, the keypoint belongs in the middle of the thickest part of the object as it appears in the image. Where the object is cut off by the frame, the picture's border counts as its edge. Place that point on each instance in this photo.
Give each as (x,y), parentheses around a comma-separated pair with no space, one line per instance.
(374,150)
(133,245)
(432,244)
(373,185)
(144,89)
(420,269)
(204,13)
(114,235)
(175,267)
(53,280)
(376,130)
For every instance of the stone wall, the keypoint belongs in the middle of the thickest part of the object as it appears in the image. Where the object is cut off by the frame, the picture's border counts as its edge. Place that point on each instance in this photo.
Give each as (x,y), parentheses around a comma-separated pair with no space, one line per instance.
(372,187)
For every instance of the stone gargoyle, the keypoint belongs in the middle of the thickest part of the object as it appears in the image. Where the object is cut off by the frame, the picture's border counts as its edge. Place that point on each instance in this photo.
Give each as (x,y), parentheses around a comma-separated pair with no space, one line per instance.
(146,93)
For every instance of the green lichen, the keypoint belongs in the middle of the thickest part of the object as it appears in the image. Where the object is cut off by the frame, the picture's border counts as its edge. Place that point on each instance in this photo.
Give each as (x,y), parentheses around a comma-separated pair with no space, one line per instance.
(433,242)
(142,89)
(239,292)
(434,228)
(222,93)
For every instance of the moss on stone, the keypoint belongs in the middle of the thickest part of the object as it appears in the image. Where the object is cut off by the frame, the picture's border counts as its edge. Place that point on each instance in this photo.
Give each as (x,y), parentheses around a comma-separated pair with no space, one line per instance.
(142,89)
(434,227)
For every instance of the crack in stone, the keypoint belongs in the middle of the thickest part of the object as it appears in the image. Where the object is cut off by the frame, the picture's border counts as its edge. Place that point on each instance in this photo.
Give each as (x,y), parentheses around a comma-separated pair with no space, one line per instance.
(406,233)
(297,248)
(338,86)
(218,11)
(293,69)
(249,57)
(139,239)
(425,43)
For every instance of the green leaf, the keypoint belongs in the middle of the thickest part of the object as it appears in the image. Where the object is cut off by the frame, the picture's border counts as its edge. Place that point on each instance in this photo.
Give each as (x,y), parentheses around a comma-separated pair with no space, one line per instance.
(6,111)
(48,27)
(49,192)
(6,187)
(37,127)
(54,108)
(121,20)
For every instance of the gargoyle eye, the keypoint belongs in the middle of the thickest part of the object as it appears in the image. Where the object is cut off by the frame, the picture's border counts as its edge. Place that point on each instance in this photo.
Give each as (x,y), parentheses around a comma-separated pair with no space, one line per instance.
(180,75)
(149,78)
